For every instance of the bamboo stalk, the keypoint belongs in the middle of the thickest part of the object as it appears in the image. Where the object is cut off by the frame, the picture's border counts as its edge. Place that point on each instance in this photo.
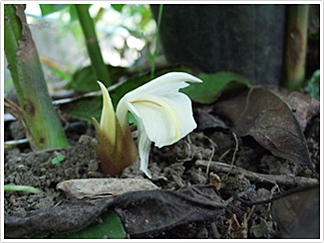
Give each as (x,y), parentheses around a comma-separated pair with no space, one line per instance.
(41,119)
(92,44)
(296,44)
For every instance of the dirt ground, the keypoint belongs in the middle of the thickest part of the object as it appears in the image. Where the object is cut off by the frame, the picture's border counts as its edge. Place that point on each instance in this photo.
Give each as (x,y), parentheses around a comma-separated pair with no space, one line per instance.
(211,155)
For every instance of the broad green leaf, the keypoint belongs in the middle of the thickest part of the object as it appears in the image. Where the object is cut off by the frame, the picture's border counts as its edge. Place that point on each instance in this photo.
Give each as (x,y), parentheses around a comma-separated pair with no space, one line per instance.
(51,8)
(118,7)
(109,227)
(213,84)
(84,108)
(314,85)
(84,80)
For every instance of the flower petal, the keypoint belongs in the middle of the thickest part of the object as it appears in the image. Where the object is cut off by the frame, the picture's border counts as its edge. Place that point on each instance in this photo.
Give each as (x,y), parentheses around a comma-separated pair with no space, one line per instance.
(144,146)
(167,84)
(165,119)
(107,120)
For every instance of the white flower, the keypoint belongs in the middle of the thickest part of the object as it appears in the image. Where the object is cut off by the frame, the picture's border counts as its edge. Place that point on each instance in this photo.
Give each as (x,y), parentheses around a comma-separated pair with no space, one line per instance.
(164,115)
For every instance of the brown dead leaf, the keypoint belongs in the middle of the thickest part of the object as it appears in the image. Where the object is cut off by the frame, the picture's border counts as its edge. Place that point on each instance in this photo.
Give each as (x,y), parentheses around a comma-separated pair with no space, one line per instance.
(298,215)
(143,213)
(208,120)
(110,187)
(303,106)
(262,114)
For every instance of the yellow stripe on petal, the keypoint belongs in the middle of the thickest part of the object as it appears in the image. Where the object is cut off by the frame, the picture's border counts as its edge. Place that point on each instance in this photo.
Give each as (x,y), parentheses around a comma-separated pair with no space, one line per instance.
(158,102)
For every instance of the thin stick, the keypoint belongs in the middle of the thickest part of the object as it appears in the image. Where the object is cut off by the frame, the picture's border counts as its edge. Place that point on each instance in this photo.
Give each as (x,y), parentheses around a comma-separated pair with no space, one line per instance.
(233,157)
(254,176)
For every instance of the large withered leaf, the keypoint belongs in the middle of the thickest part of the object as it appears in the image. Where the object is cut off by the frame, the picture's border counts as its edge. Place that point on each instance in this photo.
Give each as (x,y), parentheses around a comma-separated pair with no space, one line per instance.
(262,114)
(303,106)
(298,215)
(142,212)
(149,213)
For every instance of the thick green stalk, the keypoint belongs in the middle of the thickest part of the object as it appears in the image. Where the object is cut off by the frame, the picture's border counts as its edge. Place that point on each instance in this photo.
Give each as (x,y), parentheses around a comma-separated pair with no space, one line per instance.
(92,43)
(296,44)
(38,112)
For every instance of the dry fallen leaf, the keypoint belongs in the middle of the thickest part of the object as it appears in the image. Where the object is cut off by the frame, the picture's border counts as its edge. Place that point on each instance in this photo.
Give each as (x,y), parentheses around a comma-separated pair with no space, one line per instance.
(303,106)
(143,213)
(262,114)
(110,187)
(298,215)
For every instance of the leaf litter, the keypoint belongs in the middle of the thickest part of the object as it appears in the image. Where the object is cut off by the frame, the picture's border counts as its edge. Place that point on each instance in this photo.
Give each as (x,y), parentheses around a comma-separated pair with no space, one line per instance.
(264,115)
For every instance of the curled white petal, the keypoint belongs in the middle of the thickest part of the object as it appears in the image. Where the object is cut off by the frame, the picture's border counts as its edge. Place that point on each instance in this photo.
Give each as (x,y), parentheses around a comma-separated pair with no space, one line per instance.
(165,85)
(165,120)
(144,146)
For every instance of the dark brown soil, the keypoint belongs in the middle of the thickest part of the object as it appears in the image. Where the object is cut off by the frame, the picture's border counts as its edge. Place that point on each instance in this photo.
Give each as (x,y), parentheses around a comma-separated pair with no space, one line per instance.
(172,167)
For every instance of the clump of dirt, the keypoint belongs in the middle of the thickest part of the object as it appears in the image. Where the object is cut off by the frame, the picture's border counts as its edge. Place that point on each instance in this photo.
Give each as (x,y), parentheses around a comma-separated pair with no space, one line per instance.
(36,169)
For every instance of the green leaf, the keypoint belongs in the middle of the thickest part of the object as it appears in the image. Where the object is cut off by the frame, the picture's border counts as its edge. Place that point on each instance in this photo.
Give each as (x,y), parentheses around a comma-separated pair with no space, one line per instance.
(314,85)
(213,84)
(51,8)
(85,81)
(62,74)
(109,227)
(20,188)
(41,235)
(118,7)
(314,36)
(58,159)
(84,108)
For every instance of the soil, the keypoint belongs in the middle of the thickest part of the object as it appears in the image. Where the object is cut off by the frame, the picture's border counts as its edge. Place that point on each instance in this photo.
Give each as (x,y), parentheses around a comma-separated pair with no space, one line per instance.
(173,167)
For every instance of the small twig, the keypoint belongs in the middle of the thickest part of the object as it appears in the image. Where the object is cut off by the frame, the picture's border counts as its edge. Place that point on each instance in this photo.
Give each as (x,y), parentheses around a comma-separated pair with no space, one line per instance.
(215,231)
(254,176)
(272,192)
(233,157)
(276,197)
(213,145)
(224,154)
(15,110)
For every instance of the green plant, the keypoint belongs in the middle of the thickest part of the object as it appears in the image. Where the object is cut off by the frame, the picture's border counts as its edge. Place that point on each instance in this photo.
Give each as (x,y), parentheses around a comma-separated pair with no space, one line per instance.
(314,85)
(42,121)
(21,188)
(163,114)
(92,44)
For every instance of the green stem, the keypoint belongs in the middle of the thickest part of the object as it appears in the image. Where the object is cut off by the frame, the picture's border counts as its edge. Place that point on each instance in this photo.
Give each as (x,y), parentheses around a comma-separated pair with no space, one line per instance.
(22,188)
(296,44)
(38,113)
(153,62)
(92,43)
